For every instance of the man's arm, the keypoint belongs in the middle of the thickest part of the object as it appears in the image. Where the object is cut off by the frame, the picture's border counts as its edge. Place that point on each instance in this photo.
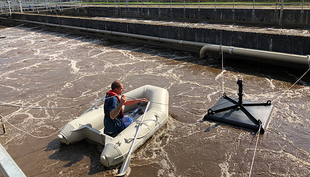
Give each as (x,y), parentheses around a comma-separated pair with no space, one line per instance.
(130,102)
(115,112)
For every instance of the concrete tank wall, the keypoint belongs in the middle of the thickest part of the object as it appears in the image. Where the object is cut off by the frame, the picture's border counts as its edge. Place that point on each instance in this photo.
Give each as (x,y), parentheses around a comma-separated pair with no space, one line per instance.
(291,17)
(252,40)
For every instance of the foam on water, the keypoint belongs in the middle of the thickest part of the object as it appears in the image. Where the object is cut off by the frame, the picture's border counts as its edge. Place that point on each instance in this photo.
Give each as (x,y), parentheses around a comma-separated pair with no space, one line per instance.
(40,68)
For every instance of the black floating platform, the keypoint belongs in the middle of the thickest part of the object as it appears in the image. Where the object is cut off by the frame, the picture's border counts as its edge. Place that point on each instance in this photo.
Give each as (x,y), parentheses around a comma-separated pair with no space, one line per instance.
(241,113)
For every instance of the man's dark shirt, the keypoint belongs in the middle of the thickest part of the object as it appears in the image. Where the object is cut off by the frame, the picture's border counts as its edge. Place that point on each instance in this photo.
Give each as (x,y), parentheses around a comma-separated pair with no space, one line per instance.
(112,125)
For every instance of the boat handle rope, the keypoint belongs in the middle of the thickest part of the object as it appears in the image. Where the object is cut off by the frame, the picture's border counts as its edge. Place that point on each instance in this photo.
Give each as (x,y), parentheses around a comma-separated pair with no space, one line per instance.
(128,140)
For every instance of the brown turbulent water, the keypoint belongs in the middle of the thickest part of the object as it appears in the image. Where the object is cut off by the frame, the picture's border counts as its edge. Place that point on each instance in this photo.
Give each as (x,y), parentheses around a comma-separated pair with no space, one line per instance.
(42,68)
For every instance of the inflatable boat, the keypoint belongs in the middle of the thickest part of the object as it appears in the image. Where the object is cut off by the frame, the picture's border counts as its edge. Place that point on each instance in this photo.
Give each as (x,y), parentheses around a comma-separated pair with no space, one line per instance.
(91,125)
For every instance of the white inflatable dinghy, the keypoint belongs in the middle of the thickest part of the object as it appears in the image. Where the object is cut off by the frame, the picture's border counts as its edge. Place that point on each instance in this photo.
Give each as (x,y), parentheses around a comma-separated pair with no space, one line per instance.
(91,125)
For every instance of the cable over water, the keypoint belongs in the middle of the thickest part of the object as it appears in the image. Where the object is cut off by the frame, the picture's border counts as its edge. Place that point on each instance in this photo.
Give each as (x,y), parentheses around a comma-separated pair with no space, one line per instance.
(39,137)
(252,163)
(54,108)
(46,108)
(295,82)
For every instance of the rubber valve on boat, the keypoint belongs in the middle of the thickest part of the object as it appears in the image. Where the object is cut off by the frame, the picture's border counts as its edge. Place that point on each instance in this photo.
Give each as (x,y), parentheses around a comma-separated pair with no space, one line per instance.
(62,139)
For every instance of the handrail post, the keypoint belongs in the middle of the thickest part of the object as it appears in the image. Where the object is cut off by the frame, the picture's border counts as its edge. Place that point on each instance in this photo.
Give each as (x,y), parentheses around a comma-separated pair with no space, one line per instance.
(214,5)
(8,167)
(20,6)
(9,2)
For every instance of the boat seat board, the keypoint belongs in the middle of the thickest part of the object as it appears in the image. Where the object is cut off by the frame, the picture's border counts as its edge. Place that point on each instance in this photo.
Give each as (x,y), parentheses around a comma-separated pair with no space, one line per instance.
(93,134)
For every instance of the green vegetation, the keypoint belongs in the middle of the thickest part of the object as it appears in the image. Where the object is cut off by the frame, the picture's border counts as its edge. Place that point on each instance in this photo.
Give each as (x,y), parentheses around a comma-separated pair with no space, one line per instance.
(188,2)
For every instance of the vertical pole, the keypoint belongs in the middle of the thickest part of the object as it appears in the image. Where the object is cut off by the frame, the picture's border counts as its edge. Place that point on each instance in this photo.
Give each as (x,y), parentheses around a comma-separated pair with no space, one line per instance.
(184,14)
(20,6)
(171,8)
(233,6)
(101,7)
(281,14)
(158,8)
(239,82)
(253,11)
(214,5)
(302,7)
(9,2)
(199,14)
(62,7)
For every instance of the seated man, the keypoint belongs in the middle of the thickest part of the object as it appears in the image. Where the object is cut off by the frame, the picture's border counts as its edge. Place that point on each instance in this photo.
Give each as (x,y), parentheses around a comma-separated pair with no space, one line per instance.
(114,120)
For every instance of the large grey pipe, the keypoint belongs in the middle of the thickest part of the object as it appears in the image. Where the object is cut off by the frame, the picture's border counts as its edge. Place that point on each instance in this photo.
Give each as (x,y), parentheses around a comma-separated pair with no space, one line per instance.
(300,60)
(251,54)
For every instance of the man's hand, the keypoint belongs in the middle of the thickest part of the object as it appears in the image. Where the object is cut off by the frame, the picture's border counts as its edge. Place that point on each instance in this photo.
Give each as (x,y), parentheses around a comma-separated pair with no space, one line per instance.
(143,100)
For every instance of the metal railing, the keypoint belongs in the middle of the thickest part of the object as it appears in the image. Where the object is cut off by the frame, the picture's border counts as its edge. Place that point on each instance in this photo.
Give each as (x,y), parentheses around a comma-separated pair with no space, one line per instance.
(9,6)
